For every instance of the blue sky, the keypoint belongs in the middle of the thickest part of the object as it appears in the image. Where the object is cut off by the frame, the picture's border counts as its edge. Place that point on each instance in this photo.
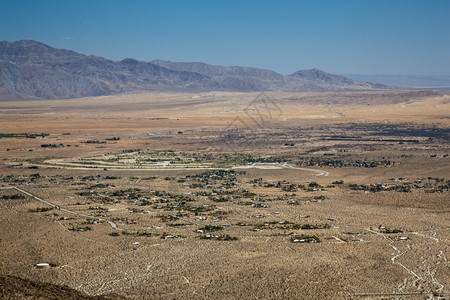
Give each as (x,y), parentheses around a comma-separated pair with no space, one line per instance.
(342,37)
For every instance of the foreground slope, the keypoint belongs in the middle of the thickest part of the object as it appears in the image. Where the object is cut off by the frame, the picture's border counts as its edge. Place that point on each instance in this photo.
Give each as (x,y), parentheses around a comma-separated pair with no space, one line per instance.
(16,288)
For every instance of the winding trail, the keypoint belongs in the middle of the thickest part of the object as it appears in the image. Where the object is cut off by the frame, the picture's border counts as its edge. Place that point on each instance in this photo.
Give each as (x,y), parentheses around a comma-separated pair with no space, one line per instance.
(417,278)
(397,255)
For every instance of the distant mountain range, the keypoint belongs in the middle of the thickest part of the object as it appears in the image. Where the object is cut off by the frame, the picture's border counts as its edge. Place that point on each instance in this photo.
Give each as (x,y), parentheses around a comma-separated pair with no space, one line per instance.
(32,70)
(411,81)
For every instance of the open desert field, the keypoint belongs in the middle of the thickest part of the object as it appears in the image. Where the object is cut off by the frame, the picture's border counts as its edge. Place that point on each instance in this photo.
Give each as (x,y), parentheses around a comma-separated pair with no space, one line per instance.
(226,195)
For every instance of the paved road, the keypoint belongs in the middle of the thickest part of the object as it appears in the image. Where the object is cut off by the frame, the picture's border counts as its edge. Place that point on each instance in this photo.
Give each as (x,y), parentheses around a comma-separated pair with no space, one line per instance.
(276,166)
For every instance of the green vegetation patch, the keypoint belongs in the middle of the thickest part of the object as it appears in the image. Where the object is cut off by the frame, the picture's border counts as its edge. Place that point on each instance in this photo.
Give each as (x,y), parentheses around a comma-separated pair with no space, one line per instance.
(37,160)
(305,239)
(81,229)
(12,135)
(225,237)
(40,209)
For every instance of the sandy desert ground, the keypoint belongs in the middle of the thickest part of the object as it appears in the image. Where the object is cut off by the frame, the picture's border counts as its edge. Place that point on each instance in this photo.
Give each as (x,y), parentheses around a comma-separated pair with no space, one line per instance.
(229,195)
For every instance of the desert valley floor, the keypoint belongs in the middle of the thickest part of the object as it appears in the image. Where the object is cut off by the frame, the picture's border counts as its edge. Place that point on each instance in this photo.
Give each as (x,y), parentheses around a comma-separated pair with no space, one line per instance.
(227,196)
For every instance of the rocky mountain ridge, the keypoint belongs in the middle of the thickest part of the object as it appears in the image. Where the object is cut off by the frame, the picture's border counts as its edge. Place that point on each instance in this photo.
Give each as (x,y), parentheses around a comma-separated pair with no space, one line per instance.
(33,70)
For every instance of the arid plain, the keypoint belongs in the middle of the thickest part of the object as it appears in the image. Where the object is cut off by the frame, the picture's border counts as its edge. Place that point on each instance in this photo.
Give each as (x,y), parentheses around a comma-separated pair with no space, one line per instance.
(226,195)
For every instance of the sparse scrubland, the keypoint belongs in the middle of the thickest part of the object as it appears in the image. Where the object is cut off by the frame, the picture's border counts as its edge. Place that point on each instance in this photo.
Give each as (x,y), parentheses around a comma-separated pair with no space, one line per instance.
(227,196)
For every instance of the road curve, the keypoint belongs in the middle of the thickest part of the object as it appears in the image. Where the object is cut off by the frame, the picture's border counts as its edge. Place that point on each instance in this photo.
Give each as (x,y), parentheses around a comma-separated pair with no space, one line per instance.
(277,166)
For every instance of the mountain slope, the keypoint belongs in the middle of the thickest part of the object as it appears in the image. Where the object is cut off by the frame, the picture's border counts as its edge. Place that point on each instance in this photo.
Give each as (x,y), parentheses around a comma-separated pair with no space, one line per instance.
(318,80)
(228,78)
(29,69)
(32,70)
(212,71)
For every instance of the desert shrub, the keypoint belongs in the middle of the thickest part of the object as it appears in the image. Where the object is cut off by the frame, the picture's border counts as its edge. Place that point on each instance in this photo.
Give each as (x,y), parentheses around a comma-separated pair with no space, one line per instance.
(81,229)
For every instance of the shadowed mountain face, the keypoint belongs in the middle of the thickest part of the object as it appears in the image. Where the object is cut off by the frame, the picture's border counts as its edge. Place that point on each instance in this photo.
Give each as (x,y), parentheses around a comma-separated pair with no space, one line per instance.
(32,70)
(17,288)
